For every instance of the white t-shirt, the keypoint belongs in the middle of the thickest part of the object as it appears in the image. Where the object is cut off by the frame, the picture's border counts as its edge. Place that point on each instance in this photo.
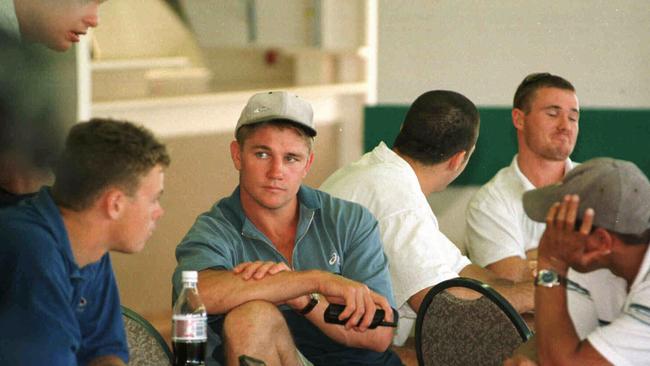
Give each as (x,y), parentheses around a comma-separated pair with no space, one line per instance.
(497,226)
(419,255)
(8,20)
(617,324)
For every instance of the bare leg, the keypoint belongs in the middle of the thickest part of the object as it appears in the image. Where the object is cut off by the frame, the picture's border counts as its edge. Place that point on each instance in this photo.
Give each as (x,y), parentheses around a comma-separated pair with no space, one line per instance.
(258,329)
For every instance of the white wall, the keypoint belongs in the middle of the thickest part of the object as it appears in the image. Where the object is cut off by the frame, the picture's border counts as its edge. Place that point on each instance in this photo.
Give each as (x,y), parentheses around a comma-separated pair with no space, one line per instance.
(484,48)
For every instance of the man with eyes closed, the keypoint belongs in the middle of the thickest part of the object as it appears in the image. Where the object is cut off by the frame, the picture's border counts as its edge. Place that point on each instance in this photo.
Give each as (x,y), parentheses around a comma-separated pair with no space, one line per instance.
(500,236)
(275,253)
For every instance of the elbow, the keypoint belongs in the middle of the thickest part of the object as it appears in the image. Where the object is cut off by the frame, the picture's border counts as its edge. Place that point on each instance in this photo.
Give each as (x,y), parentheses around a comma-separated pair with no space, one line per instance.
(382,344)
(377,340)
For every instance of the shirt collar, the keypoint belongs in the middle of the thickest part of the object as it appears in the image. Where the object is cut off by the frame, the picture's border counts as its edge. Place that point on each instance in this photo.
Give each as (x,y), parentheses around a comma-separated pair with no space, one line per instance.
(568,165)
(386,154)
(308,200)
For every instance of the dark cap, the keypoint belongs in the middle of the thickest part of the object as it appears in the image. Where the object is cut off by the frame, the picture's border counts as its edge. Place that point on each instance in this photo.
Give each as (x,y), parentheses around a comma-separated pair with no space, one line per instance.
(617,190)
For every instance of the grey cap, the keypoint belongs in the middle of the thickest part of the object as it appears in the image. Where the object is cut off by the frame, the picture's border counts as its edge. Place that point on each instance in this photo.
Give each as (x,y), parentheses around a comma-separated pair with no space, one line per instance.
(617,190)
(263,107)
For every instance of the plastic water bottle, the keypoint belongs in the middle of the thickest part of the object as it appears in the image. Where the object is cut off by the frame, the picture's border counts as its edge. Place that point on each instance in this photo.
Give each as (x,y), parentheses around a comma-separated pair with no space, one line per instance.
(189,324)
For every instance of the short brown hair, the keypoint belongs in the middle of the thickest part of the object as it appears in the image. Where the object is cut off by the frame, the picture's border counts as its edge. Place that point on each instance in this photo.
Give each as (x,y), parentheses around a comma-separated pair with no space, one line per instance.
(439,124)
(244,132)
(101,153)
(531,83)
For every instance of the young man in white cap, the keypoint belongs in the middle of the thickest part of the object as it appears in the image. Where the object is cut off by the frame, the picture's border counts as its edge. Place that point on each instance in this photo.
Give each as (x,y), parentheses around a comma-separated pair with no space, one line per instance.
(593,284)
(277,242)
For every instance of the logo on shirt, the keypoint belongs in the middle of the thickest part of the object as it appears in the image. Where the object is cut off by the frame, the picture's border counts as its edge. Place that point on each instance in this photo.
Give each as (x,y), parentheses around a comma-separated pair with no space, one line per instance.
(334,259)
(82,304)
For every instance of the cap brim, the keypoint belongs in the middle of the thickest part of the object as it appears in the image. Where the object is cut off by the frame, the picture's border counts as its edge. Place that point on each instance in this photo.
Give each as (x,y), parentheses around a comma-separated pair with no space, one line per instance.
(538,201)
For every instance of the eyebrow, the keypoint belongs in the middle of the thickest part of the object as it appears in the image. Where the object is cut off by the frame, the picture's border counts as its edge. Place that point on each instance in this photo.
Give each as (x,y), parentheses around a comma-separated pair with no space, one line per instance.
(267,148)
(263,147)
(560,108)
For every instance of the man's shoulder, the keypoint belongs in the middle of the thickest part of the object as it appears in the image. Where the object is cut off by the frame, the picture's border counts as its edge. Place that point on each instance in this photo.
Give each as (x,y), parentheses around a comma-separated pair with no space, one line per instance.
(331,204)
(368,173)
(384,188)
(226,212)
(24,229)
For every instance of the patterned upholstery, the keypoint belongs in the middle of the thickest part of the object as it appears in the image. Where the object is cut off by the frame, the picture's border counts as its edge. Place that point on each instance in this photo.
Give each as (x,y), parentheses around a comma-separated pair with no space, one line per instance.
(146,345)
(452,331)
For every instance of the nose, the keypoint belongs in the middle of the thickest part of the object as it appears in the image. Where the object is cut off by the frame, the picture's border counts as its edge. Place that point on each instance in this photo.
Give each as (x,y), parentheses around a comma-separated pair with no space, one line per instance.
(276,168)
(158,213)
(91,21)
(565,122)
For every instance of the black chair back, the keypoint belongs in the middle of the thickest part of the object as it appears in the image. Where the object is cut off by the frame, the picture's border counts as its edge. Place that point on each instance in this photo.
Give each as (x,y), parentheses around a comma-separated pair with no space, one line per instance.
(451,331)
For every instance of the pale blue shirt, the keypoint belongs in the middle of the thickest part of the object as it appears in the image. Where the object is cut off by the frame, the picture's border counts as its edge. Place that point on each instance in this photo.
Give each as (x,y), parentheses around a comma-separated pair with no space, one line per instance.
(333,235)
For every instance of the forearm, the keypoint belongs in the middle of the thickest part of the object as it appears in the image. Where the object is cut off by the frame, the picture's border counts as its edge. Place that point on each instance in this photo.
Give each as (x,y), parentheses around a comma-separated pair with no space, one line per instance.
(107,361)
(513,268)
(221,291)
(556,338)
(520,295)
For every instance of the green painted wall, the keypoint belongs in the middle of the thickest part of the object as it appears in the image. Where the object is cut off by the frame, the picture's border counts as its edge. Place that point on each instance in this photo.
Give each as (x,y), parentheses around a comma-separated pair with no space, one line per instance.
(621,134)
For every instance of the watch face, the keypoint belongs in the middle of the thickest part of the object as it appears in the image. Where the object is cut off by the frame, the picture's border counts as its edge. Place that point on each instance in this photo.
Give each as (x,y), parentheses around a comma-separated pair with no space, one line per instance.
(547,278)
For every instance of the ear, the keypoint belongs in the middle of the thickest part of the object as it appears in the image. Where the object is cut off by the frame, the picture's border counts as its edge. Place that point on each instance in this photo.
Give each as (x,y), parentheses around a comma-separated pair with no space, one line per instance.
(457,161)
(310,160)
(235,154)
(113,202)
(518,118)
(599,245)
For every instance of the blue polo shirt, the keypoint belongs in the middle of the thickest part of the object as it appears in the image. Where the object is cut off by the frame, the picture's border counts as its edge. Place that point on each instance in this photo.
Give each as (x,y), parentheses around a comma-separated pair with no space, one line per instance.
(51,311)
(333,235)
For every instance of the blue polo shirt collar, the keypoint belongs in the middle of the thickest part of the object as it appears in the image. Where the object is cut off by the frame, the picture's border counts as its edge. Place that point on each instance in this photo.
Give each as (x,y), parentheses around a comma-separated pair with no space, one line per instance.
(309,203)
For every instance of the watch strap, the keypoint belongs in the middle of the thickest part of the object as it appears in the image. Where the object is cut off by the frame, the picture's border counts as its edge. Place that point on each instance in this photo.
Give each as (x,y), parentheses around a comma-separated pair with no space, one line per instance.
(313,301)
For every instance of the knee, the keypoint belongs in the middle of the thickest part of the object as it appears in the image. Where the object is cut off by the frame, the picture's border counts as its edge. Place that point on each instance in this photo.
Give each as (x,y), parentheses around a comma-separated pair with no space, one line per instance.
(253,317)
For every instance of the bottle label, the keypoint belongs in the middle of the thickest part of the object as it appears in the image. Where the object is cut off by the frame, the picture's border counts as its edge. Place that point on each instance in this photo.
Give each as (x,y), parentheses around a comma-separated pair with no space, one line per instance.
(189,328)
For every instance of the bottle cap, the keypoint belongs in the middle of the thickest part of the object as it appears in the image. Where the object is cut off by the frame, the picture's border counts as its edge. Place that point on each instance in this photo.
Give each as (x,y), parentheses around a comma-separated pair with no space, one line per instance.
(190,276)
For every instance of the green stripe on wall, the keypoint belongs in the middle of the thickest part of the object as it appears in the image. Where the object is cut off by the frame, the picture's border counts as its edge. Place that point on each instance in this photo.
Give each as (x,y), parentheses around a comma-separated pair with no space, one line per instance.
(621,134)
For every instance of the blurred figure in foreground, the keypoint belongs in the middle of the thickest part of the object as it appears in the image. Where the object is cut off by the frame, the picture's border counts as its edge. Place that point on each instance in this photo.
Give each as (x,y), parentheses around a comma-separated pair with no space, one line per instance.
(55,23)
(31,128)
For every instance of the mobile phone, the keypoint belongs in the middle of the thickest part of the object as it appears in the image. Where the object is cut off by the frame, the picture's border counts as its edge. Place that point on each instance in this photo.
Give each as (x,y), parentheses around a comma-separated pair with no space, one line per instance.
(333,311)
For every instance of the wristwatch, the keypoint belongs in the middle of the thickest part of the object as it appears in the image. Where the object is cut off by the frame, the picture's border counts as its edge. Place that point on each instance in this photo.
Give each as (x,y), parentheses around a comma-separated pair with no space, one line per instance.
(549,278)
(313,301)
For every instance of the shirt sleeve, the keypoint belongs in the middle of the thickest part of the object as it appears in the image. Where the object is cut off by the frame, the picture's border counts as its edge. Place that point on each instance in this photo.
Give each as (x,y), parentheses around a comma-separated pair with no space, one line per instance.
(100,317)
(626,341)
(365,260)
(492,232)
(37,322)
(206,245)
(420,254)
